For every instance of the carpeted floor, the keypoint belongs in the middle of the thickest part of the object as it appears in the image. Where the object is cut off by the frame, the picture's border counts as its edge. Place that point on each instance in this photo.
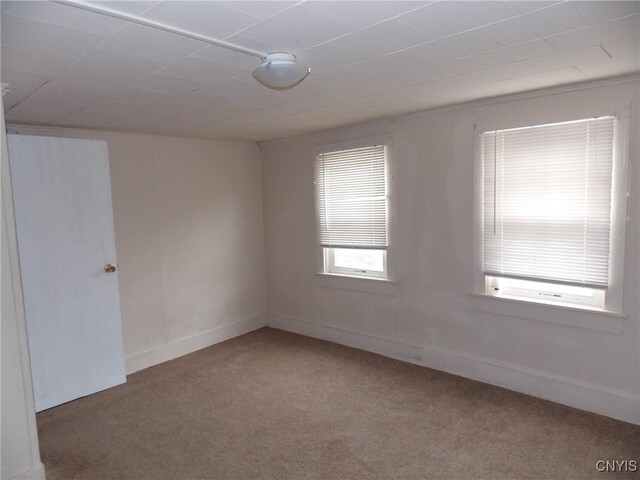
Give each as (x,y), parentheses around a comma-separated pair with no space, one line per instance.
(274,405)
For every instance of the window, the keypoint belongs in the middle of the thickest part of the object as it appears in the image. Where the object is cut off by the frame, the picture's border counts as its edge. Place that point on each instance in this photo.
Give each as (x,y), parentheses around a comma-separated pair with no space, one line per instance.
(351,197)
(547,212)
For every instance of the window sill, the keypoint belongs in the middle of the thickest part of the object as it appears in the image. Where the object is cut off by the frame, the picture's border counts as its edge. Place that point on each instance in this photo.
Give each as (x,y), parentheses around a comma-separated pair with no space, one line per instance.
(590,319)
(375,286)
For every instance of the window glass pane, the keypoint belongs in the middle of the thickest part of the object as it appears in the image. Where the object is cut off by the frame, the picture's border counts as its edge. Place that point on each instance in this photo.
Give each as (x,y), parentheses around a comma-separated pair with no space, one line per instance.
(544,292)
(542,287)
(371,260)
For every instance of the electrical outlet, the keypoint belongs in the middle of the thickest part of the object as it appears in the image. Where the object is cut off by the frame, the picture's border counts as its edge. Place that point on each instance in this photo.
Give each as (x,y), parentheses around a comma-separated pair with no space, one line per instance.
(431,335)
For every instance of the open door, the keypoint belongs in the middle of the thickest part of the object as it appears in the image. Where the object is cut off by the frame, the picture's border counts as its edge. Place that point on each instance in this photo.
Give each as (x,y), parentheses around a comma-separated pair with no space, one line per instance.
(64,220)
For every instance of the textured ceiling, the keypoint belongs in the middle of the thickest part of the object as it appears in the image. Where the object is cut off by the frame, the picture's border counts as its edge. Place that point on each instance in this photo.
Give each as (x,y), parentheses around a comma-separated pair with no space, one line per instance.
(370,59)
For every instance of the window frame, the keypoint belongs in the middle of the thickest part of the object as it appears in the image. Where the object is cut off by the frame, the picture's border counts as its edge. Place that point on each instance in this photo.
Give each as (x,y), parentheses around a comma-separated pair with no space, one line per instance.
(323,255)
(613,293)
(331,268)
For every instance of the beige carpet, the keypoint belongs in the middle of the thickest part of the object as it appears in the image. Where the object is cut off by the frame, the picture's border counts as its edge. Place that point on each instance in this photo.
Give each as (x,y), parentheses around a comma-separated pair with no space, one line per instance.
(274,405)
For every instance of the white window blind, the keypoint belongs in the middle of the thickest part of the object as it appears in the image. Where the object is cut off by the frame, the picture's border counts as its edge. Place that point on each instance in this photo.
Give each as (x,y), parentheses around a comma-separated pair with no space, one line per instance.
(547,201)
(351,190)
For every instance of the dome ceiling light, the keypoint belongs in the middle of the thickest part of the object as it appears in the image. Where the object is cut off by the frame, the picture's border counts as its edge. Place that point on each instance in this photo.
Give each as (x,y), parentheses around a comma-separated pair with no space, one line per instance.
(278,70)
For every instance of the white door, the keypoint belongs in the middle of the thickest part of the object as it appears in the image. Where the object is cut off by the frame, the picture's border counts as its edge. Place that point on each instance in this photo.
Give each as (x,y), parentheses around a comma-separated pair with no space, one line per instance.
(64,219)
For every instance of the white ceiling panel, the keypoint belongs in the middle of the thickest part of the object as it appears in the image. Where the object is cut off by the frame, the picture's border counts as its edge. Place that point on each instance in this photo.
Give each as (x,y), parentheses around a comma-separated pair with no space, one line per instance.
(528,6)
(226,57)
(53,93)
(446,18)
(574,57)
(619,37)
(361,14)
(23,80)
(150,44)
(454,68)
(183,118)
(46,37)
(496,74)
(166,85)
(293,29)
(449,48)
(102,62)
(467,43)
(386,37)
(307,104)
(246,94)
(423,55)
(208,99)
(561,76)
(29,61)
(387,65)
(341,78)
(328,57)
(537,24)
(87,81)
(167,118)
(105,114)
(61,15)
(623,65)
(313,85)
(514,53)
(196,70)
(41,111)
(369,59)
(598,12)
(14,96)
(622,37)
(252,43)
(261,9)
(493,58)
(206,18)
(135,7)
(138,97)
(228,124)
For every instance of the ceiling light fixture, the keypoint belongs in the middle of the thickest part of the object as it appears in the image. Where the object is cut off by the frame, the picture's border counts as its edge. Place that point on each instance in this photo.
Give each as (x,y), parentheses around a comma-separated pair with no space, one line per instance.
(279,70)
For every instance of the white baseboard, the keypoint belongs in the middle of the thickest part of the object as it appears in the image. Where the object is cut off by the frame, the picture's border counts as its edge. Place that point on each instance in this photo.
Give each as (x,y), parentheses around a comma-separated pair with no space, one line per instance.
(182,347)
(36,473)
(606,401)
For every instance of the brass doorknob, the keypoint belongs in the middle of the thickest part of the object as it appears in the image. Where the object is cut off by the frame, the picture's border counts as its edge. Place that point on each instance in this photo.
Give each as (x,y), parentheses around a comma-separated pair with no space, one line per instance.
(109,268)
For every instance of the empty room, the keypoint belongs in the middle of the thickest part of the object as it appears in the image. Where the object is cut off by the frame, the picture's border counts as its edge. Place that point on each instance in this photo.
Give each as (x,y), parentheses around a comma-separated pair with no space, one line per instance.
(328,240)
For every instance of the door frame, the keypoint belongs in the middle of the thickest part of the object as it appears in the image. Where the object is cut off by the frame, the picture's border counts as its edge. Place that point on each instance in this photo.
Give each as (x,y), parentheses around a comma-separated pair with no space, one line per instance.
(36,471)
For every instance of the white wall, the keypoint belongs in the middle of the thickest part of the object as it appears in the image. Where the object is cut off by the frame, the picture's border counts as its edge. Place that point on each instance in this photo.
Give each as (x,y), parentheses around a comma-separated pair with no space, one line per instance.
(189,240)
(585,360)
(19,441)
